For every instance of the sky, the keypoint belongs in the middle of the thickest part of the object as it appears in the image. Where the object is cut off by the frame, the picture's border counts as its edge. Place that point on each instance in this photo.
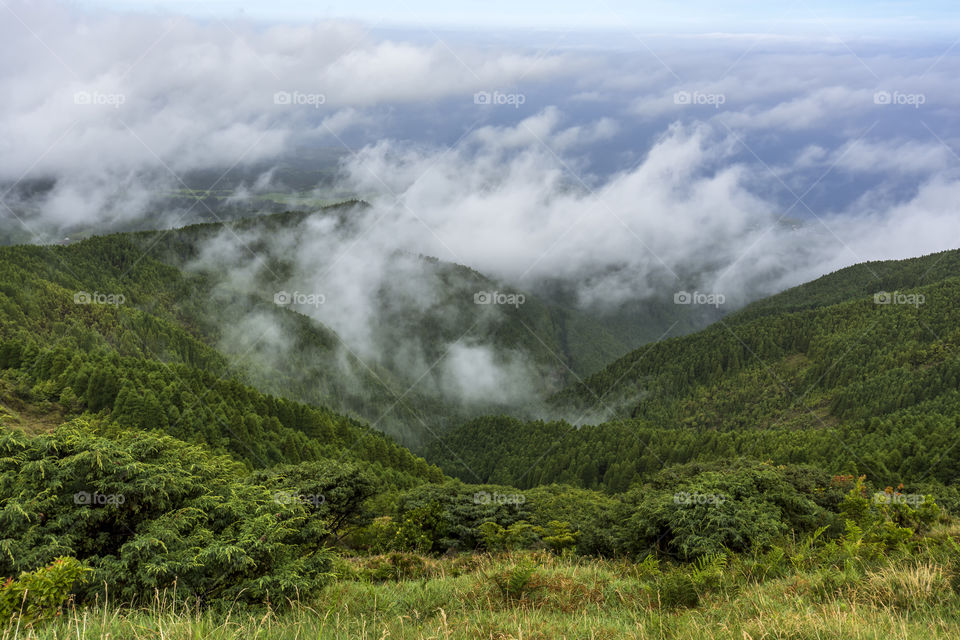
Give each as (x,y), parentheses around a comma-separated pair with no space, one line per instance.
(850,17)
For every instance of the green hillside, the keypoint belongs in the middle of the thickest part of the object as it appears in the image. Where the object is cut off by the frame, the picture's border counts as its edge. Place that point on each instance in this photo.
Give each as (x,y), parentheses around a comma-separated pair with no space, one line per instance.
(423,310)
(147,465)
(97,329)
(858,281)
(400,387)
(858,386)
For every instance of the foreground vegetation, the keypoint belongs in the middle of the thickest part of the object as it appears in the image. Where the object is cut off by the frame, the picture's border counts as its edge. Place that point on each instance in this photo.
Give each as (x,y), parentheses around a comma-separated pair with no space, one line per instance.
(803,590)
(189,545)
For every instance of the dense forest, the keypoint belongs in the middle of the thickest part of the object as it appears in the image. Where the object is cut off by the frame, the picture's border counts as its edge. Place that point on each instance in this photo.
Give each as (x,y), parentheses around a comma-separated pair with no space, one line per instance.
(856,386)
(138,456)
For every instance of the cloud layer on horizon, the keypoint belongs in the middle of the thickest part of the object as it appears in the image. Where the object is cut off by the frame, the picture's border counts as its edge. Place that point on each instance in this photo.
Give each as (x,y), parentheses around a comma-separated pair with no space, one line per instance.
(723,163)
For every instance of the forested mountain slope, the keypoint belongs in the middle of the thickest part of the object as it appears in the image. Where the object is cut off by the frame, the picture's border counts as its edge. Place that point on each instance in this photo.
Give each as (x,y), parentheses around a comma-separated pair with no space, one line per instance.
(432,357)
(422,316)
(715,345)
(856,385)
(97,328)
(857,281)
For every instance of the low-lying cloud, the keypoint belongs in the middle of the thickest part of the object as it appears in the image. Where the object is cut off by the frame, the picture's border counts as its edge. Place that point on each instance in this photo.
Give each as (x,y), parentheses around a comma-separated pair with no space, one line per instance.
(719,164)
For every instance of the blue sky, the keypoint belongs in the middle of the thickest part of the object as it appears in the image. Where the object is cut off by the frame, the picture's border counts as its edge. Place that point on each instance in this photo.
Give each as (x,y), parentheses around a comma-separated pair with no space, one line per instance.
(847,17)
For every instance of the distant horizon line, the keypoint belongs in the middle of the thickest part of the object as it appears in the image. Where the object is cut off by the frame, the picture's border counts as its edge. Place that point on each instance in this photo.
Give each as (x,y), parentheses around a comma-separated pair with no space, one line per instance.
(774,27)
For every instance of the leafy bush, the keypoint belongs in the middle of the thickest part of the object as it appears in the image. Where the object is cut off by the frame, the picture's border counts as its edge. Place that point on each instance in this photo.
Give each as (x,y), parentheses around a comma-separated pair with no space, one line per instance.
(890,517)
(449,515)
(422,529)
(146,511)
(556,536)
(333,492)
(590,514)
(689,511)
(376,537)
(394,566)
(40,594)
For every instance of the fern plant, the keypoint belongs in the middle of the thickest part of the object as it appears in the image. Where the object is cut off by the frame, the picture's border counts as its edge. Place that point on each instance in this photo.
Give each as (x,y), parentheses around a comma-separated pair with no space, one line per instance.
(518,583)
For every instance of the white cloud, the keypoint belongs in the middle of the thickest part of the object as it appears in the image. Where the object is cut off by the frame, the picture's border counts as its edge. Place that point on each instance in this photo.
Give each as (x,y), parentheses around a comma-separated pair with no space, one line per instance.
(518,196)
(92,98)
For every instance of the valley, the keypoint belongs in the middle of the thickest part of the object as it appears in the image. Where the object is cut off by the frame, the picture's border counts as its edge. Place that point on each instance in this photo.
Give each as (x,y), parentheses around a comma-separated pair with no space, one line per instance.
(778,429)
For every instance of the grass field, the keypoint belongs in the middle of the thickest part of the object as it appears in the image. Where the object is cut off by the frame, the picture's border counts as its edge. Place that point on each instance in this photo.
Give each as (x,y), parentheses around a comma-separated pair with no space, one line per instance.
(536,595)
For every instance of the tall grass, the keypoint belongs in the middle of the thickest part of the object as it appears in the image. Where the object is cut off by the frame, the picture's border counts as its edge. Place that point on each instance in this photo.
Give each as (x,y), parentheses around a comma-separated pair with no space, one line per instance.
(533,596)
